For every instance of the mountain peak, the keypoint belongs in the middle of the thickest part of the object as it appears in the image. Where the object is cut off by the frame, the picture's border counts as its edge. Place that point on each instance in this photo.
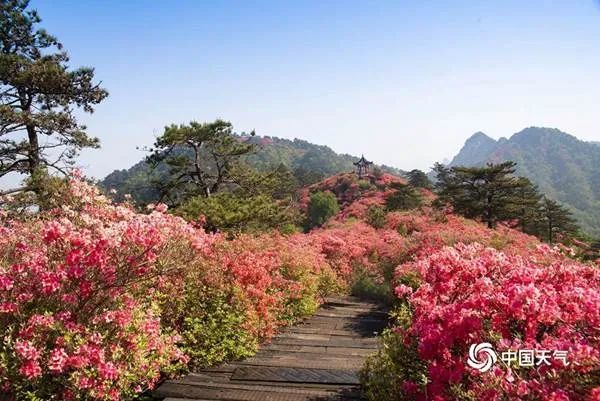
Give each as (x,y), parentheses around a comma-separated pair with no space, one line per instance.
(479,138)
(479,135)
(475,150)
(538,135)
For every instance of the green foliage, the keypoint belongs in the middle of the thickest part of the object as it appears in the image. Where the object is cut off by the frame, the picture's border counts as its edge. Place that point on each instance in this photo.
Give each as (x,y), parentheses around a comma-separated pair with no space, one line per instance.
(314,287)
(306,177)
(404,198)
(491,193)
(555,221)
(255,201)
(39,95)
(418,179)
(376,216)
(526,206)
(395,362)
(43,190)
(211,328)
(321,207)
(236,213)
(200,158)
(364,285)
(275,182)
(365,185)
(377,172)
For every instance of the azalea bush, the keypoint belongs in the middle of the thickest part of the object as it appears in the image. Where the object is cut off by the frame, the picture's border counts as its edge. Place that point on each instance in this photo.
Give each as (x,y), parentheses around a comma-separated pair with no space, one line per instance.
(76,308)
(470,294)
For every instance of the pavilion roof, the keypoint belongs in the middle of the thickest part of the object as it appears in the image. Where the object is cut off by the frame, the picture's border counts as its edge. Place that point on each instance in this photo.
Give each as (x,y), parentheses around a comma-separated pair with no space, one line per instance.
(362,161)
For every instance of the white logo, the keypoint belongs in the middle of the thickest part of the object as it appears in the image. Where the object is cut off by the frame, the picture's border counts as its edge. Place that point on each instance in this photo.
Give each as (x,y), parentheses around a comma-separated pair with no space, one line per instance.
(490,357)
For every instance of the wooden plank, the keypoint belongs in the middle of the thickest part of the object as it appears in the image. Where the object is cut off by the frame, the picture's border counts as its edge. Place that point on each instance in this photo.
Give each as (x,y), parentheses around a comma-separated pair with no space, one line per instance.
(318,350)
(304,356)
(200,378)
(298,363)
(250,393)
(296,375)
(346,343)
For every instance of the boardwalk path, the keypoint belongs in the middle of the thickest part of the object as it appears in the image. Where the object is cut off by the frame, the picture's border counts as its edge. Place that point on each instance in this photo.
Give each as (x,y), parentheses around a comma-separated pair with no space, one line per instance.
(316,360)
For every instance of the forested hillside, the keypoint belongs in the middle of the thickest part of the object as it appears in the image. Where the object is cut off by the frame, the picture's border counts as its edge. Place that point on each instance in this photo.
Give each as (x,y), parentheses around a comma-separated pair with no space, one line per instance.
(562,166)
(308,162)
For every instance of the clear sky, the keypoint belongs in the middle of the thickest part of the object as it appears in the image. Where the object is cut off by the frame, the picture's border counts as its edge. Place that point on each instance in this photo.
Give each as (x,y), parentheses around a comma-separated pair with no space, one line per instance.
(404,82)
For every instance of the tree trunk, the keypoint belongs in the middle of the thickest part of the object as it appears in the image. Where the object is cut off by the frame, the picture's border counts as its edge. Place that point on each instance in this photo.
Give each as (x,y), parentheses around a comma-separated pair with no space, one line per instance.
(488,212)
(33,153)
(34,150)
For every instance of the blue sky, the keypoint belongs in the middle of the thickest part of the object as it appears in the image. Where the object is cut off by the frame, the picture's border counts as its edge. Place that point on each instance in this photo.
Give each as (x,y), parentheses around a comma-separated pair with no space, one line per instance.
(403,82)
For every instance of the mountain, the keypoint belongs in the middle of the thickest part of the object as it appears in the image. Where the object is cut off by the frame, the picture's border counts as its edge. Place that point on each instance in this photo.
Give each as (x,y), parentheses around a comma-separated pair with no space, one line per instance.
(316,162)
(476,148)
(564,167)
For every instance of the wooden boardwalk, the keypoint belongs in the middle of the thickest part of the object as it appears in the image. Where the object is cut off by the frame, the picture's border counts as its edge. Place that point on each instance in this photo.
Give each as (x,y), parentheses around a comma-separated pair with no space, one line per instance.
(317,360)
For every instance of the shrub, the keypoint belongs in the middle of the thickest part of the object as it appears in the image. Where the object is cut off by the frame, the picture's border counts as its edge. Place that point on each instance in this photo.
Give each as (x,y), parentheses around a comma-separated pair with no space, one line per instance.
(321,207)
(75,307)
(98,302)
(234,214)
(376,216)
(378,172)
(213,327)
(404,197)
(471,294)
(395,372)
(364,185)
(367,286)
(418,179)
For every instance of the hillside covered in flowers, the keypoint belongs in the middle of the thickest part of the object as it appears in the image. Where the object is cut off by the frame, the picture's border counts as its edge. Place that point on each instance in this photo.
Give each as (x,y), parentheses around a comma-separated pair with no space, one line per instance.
(99,301)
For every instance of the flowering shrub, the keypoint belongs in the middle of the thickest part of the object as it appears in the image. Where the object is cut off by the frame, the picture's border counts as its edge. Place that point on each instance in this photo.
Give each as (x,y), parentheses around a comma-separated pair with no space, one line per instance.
(348,244)
(353,195)
(471,294)
(74,307)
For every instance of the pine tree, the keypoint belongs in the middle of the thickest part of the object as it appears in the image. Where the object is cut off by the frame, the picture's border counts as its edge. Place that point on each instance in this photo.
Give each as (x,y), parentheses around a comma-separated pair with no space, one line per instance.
(556,220)
(38,96)
(489,193)
(527,207)
(306,176)
(321,207)
(418,179)
(200,158)
(404,197)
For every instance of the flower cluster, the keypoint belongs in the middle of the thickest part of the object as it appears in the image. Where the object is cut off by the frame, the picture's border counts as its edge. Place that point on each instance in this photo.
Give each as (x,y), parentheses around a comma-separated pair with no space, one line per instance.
(471,294)
(74,305)
(348,244)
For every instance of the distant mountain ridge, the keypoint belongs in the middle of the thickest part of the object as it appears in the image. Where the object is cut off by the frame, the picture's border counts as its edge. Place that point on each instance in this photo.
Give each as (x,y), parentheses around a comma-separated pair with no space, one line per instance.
(565,168)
